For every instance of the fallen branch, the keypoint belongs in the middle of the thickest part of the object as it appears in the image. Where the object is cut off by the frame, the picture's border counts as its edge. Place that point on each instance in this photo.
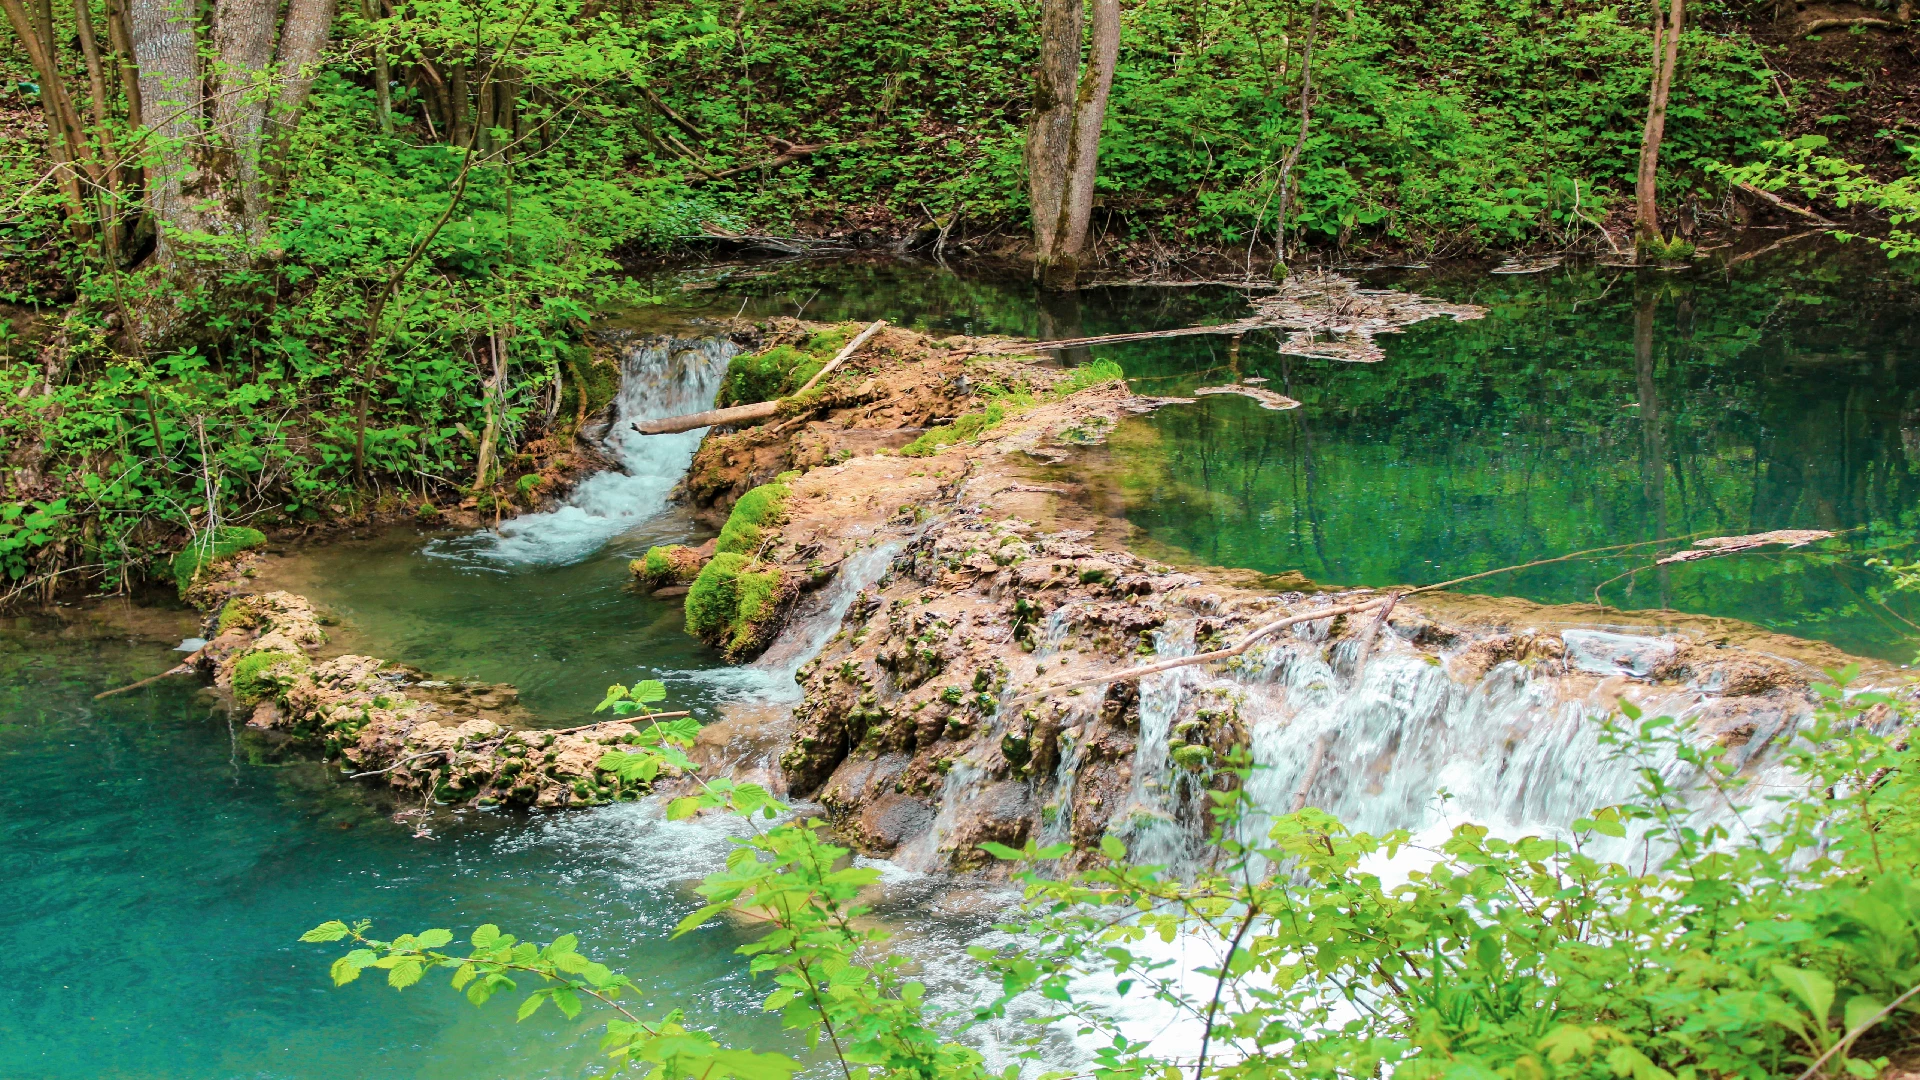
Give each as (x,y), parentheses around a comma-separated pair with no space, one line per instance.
(1239,327)
(185,667)
(1319,759)
(742,414)
(787,154)
(1783,204)
(1818,25)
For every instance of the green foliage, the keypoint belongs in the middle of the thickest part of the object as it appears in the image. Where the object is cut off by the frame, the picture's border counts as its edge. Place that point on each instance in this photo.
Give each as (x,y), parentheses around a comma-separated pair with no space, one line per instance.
(1733,947)
(262,676)
(211,546)
(1799,165)
(25,528)
(756,511)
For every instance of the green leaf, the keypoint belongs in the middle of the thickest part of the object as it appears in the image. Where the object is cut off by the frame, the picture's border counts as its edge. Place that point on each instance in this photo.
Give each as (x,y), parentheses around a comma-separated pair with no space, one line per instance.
(433,939)
(344,971)
(404,974)
(649,690)
(1812,988)
(567,1001)
(532,1004)
(1861,1009)
(1112,848)
(485,935)
(332,930)
(683,808)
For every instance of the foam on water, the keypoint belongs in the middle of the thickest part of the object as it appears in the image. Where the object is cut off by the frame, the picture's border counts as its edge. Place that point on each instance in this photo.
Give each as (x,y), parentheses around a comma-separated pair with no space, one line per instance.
(659,377)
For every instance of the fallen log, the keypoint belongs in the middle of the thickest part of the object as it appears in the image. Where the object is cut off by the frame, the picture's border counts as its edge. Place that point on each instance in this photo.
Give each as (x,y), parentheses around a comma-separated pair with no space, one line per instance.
(1783,204)
(746,414)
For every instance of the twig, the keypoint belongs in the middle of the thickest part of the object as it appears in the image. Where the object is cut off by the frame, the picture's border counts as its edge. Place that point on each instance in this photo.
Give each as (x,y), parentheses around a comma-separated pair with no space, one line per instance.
(1836,1048)
(1319,759)
(397,764)
(1784,204)
(619,720)
(185,667)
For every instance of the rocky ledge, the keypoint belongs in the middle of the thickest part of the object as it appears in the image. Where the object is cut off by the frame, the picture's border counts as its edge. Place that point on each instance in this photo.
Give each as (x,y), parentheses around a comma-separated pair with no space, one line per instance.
(452,743)
(956,703)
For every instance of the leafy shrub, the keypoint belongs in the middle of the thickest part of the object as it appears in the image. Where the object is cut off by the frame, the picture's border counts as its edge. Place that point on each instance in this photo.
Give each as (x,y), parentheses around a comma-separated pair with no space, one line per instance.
(1757,945)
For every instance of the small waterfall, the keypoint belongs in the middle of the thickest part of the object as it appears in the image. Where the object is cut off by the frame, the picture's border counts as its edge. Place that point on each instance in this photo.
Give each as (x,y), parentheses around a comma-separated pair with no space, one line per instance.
(659,377)
(813,623)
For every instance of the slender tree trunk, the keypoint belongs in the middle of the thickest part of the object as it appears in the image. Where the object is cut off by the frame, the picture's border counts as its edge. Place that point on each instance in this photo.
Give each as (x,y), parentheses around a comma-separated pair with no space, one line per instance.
(1050,127)
(458,129)
(1666,56)
(122,41)
(382,73)
(65,133)
(1060,265)
(1292,157)
(303,38)
(109,171)
(484,107)
(243,33)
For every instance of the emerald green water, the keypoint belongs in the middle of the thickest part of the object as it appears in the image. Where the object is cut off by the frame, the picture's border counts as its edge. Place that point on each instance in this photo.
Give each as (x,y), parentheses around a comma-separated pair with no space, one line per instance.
(161,862)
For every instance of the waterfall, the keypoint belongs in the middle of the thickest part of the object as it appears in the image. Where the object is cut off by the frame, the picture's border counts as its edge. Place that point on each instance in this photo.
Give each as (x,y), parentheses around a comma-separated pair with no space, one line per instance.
(659,377)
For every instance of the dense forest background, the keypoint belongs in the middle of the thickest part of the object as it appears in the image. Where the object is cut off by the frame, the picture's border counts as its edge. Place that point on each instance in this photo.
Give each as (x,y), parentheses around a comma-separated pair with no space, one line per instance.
(287,263)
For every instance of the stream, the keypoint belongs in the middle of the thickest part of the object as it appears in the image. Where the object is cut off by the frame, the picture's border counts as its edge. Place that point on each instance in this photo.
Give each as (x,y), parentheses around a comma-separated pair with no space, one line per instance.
(162,864)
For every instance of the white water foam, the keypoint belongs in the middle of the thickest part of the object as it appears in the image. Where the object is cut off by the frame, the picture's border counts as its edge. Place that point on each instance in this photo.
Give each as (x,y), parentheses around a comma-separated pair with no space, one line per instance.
(660,377)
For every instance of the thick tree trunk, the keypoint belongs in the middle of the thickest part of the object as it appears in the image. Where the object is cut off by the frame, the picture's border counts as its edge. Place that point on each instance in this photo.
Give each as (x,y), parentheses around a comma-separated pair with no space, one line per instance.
(303,37)
(231,161)
(1050,127)
(1666,56)
(1060,265)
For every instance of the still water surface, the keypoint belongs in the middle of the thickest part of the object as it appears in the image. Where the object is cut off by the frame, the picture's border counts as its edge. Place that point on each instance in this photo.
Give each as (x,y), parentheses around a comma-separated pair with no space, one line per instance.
(160,864)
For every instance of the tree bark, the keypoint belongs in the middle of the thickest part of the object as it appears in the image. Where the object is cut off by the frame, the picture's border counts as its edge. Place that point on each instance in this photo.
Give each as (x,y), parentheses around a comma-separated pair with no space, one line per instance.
(382,76)
(1666,56)
(1050,127)
(122,40)
(458,128)
(1060,265)
(65,134)
(303,38)
(243,32)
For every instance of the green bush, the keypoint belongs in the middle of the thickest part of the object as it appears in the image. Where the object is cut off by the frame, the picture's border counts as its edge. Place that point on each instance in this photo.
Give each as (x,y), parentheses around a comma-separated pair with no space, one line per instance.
(262,676)
(209,548)
(757,510)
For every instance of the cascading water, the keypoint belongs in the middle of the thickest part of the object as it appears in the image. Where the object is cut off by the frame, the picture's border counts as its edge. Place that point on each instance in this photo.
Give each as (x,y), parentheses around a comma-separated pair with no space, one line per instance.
(659,377)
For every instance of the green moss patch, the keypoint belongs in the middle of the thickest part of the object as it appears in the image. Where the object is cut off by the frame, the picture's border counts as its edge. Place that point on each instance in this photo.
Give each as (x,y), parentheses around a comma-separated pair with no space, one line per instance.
(757,511)
(238,612)
(781,370)
(668,564)
(261,676)
(734,607)
(209,548)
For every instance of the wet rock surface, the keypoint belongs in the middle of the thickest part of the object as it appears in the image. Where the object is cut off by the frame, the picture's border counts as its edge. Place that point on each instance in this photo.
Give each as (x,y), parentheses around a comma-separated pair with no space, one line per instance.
(925,727)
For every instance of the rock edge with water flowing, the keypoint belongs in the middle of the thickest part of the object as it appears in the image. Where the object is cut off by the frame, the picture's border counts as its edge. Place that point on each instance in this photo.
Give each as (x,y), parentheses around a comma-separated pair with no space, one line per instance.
(999,579)
(429,739)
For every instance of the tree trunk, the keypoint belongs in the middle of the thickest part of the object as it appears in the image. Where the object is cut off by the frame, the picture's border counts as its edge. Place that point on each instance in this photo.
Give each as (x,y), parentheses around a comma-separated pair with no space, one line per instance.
(1666,56)
(1292,157)
(1050,127)
(458,130)
(1060,265)
(122,39)
(303,38)
(230,161)
(66,141)
(382,73)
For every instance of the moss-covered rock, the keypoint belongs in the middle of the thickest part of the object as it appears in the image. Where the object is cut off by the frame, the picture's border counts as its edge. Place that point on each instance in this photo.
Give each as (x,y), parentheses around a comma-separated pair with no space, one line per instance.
(735,604)
(756,512)
(668,564)
(781,370)
(237,614)
(209,548)
(263,676)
